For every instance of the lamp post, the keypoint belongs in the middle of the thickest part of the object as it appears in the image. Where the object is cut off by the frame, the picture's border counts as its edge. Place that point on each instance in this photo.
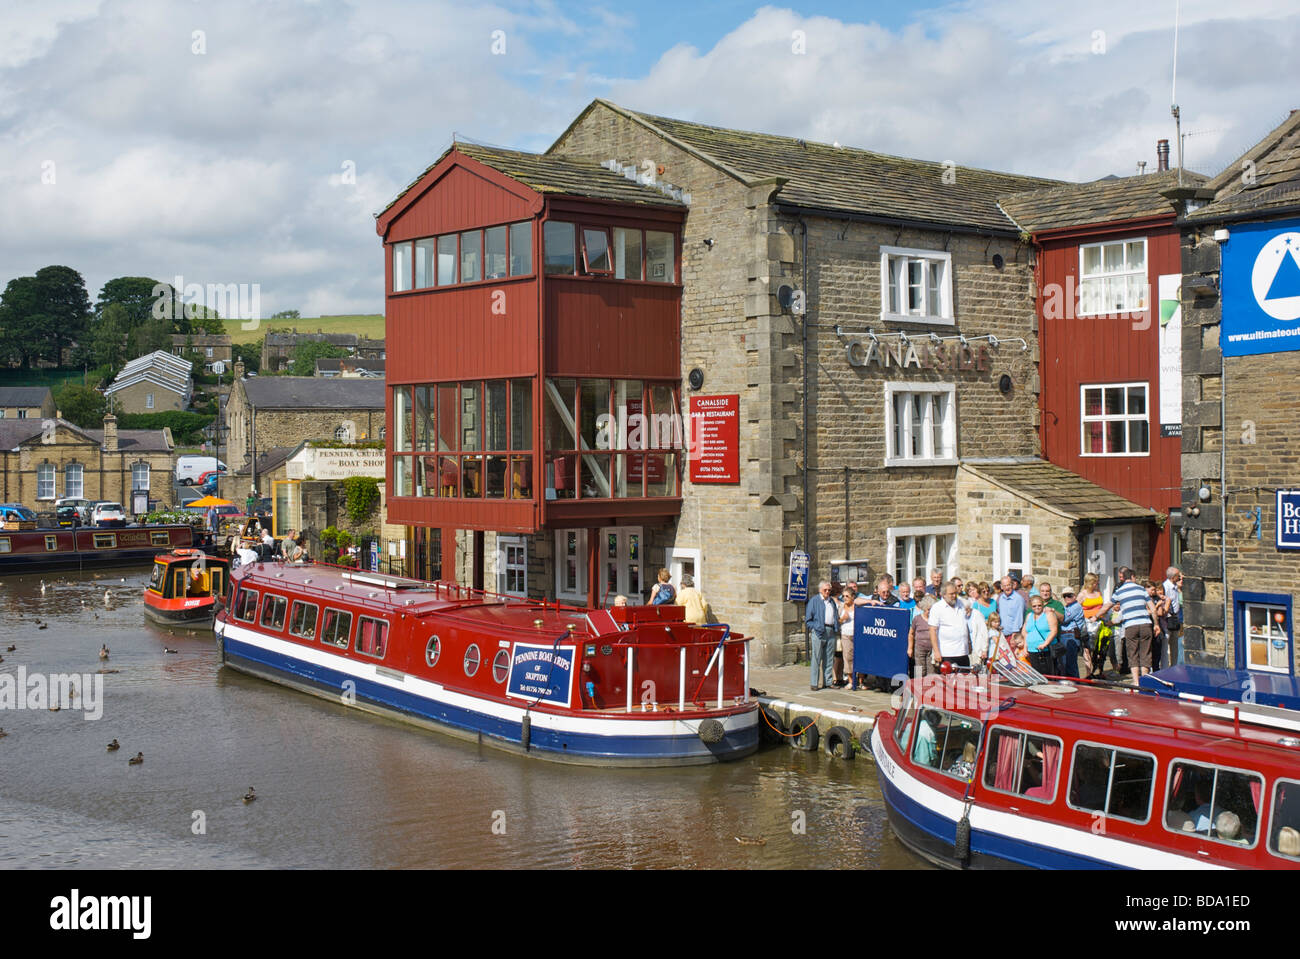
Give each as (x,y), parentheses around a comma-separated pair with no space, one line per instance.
(218,367)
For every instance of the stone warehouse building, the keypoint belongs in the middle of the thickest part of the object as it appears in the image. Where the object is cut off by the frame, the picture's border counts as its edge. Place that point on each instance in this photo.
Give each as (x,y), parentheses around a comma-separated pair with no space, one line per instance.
(1241,391)
(208,347)
(264,412)
(871,318)
(278,348)
(39,464)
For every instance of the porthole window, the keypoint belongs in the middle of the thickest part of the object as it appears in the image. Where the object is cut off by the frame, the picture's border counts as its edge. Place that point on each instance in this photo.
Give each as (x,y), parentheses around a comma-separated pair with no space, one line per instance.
(433,650)
(501,665)
(471,660)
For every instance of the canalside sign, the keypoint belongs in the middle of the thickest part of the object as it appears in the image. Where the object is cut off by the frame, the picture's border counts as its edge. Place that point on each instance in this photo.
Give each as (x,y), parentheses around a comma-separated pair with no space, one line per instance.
(715,438)
(542,674)
(796,590)
(1261,289)
(880,640)
(1288,519)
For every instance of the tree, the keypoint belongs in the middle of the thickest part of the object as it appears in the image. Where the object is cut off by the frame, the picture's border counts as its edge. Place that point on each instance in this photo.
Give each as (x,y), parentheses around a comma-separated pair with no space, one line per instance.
(250,354)
(24,327)
(286,315)
(80,405)
(306,354)
(110,337)
(65,304)
(138,296)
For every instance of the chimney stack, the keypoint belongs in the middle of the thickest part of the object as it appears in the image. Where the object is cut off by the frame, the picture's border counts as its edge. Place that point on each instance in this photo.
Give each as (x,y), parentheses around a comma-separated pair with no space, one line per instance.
(239,369)
(110,433)
(1162,155)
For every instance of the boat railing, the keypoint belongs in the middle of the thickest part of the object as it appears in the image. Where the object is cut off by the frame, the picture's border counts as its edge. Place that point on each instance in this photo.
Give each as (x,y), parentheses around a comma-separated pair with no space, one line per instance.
(660,650)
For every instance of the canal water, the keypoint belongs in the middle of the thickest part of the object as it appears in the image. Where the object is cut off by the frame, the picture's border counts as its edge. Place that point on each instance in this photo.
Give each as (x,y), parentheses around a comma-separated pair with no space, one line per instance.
(340,789)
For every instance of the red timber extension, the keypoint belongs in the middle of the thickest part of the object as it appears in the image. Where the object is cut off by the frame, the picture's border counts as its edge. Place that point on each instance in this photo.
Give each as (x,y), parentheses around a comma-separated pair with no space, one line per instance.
(1100,399)
(533,307)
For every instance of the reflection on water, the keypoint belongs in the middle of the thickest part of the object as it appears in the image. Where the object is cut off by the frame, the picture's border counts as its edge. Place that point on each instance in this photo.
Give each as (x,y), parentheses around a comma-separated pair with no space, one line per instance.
(338,788)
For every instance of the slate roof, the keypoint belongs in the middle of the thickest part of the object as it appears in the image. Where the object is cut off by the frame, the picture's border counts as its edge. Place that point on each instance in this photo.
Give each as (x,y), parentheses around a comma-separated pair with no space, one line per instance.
(23,395)
(335,365)
(270,459)
(293,339)
(15,432)
(1054,488)
(822,176)
(558,175)
(201,339)
(1101,201)
(314,393)
(1276,185)
(135,441)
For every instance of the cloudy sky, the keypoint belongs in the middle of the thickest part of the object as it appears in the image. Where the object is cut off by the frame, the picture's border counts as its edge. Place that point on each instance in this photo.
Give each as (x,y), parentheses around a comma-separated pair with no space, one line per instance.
(252,141)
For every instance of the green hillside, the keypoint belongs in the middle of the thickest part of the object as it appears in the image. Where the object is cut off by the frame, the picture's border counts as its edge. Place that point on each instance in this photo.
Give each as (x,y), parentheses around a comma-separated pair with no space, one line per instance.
(370,326)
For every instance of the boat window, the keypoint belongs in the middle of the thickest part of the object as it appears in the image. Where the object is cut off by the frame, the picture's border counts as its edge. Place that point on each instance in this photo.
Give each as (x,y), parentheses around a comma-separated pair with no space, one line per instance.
(371,636)
(1284,831)
(51,543)
(433,650)
(947,742)
(471,659)
(157,577)
(1023,764)
(336,629)
(501,665)
(105,540)
(302,619)
(4,544)
(245,604)
(1216,803)
(178,583)
(903,726)
(1111,781)
(273,608)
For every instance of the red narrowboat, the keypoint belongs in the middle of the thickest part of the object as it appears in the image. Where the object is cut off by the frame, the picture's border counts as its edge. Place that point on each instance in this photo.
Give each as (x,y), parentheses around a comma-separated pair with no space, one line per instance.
(1058,775)
(38,550)
(634,686)
(184,588)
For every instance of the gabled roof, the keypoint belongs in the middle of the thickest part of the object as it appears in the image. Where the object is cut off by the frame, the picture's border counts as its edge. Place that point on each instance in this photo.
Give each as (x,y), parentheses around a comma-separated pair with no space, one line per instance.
(294,338)
(545,174)
(271,459)
(160,368)
(314,393)
(201,339)
(13,433)
(825,177)
(135,441)
(1275,185)
(23,395)
(1109,200)
(1057,490)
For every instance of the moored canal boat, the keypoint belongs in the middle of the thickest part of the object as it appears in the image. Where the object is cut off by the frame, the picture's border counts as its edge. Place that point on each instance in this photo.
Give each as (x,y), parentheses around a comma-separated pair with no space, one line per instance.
(978,775)
(633,686)
(184,587)
(38,550)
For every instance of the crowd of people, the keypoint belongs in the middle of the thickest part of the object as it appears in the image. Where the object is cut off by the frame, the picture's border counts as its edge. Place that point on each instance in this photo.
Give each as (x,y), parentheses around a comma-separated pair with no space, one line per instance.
(962,624)
(664,593)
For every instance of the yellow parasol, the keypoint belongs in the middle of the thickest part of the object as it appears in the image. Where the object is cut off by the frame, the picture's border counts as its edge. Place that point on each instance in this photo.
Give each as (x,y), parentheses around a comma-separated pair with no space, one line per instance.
(209,501)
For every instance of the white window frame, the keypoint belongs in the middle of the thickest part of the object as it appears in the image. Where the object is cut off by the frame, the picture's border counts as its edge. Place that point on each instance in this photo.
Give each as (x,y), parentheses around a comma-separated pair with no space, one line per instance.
(69,489)
(930,457)
(1273,633)
(134,485)
(148,401)
(45,481)
(1085,279)
(1001,561)
(673,562)
(623,562)
(920,561)
(1105,418)
(579,592)
(504,546)
(894,260)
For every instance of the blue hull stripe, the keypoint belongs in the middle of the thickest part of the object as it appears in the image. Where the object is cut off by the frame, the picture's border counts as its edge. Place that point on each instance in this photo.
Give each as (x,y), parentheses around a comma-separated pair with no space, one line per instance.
(564,744)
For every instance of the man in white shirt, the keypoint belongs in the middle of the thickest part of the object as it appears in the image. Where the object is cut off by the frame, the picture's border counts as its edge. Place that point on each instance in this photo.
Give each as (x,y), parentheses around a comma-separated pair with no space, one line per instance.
(952,637)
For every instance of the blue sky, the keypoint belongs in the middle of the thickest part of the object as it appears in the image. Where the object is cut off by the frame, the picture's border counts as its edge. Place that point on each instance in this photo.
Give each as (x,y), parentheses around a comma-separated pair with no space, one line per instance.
(208,139)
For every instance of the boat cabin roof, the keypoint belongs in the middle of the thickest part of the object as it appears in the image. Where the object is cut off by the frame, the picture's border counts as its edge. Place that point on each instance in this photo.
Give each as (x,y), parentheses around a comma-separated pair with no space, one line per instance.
(1119,716)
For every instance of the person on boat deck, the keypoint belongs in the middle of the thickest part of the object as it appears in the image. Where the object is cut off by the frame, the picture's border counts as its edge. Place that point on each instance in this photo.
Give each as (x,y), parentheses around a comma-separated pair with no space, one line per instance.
(289,543)
(964,767)
(663,593)
(697,608)
(620,600)
(924,751)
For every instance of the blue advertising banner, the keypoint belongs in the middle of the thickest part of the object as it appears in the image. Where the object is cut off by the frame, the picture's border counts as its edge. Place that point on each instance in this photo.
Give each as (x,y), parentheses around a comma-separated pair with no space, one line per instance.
(1260,274)
(1288,519)
(796,587)
(542,673)
(880,640)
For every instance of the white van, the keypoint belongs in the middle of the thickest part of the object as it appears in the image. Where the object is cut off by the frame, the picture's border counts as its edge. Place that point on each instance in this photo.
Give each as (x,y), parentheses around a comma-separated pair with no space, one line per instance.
(190,468)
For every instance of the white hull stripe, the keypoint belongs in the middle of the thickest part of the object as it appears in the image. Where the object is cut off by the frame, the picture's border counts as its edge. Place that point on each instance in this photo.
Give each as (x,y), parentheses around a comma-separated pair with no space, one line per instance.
(1068,839)
(435,692)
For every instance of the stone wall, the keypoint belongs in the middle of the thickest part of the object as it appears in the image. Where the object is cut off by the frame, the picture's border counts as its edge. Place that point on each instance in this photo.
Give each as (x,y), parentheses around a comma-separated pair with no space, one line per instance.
(134,399)
(280,427)
(105,475)
(1053,542)
(738,249)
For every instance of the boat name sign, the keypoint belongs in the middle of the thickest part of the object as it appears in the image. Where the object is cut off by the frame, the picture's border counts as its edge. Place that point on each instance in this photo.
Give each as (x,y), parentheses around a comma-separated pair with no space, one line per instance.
(542,673)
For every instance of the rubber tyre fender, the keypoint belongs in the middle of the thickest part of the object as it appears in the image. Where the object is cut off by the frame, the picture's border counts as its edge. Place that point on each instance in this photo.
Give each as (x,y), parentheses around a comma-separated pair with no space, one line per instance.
(807,737)
(839,742)
(772,728)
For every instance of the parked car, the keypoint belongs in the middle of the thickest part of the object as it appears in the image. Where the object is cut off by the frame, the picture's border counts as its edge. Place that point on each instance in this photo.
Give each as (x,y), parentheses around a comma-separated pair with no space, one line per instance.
(69,516)
(207,482)
(108,514)
(82,506)
(189,468)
